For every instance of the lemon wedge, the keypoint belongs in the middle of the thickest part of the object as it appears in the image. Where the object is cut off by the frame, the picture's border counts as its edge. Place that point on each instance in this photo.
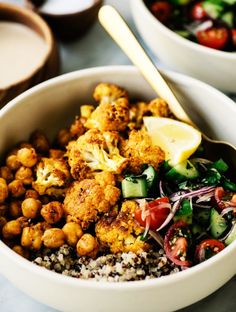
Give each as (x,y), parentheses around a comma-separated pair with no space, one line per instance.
(177,139)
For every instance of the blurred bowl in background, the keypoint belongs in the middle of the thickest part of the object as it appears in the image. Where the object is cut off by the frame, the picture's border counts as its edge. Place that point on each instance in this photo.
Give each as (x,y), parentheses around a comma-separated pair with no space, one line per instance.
(68,19)
(28,52)
(212,66)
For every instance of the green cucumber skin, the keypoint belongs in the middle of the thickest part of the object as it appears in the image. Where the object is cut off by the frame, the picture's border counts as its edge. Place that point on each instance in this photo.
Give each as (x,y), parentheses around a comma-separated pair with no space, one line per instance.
(180,172)
(218,224)
(151,176)
(134,189)
(232,235)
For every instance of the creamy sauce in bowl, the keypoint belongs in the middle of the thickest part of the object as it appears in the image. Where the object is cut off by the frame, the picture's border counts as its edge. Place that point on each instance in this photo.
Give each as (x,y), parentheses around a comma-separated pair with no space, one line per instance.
(65,6)
(21,52)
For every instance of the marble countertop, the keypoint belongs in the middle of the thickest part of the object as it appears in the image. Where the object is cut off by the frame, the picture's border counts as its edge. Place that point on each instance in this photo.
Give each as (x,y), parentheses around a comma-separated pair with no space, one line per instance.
(97,49)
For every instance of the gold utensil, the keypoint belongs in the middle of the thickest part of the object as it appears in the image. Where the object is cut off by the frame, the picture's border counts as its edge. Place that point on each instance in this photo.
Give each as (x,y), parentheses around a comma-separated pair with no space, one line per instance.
(117,28)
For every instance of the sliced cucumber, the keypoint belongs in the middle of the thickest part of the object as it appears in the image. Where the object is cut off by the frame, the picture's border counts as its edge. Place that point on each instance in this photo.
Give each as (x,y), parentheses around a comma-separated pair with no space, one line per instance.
(232,235)
(151,176)
(183,33)
(213,9)
(228,18)
(220,166)
(134,187)
(182,171)
(218,224)
(185,213)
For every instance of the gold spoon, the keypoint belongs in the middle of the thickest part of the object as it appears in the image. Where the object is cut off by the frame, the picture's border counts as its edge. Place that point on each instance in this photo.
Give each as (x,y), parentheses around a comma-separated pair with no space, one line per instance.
(117,28)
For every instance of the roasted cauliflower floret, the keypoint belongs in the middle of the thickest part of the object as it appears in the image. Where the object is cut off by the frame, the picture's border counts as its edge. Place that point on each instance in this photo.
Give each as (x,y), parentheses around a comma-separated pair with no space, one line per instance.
(85,201)
(112,113)
(52,176)
(120,232)
(138,149)
(95,151)
(156,107)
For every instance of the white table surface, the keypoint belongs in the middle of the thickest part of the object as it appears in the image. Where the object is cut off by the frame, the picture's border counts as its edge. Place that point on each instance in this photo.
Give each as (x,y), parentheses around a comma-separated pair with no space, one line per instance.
(97,49)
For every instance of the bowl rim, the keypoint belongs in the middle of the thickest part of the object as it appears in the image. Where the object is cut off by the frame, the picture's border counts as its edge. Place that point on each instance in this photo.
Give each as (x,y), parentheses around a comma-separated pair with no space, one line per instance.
(96,3)
(25,264)
(47,38)
(177,38)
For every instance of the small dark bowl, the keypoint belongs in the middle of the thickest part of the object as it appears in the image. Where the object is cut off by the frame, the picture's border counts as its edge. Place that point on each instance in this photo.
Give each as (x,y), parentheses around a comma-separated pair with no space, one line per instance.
(70,25)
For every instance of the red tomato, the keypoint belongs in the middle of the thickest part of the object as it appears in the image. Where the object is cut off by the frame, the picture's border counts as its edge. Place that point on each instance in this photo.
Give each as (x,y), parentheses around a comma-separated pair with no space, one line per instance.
(219,193)
(198,13)
(215,38)
(176,245)
(156,213)
(161,10)
(224,198)
(233,32)
(207,249)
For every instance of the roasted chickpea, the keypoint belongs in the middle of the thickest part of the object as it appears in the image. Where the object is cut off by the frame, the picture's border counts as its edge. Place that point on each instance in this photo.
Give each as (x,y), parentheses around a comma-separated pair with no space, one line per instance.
(53,238)
(40,142)
(31,194)
(3,190)
(11,229)
(27,157)
(73,233)
(15,209)
(87,246)
(13,162)
(3,210)
(21,251)
(63,137)
(16,188)
(56,153)
(25,175)
(52,212)
(6,174)
(31,237)
(31,208)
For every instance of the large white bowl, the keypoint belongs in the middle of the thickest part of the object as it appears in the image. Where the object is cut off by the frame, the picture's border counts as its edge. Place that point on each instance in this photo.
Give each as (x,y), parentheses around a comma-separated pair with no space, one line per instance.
(215,67)
(51,106)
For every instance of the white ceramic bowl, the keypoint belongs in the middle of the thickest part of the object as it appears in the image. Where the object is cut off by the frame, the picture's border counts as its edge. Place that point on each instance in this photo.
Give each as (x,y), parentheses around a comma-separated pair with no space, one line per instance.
(212,66)
(51,106)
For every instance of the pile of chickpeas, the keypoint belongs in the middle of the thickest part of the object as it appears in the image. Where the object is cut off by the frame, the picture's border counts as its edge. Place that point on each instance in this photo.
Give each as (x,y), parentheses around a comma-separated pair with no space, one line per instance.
(30,221)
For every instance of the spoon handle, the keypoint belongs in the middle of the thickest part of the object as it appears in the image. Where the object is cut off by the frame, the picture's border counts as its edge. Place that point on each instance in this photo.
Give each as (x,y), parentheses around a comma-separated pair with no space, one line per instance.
(122,35)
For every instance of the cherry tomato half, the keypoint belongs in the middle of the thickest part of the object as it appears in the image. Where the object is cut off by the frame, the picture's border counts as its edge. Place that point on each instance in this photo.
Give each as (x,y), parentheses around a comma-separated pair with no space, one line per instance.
(207,249)
(176,243)
(224,198)
(233,33)
(156,213)
(215,38)
(198,13)
(161,10)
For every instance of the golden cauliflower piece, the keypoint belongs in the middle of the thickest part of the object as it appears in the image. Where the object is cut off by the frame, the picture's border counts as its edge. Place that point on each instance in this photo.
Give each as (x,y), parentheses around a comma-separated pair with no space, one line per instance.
(120,232)
(95,151)
(112,113)
(52,175)
(157,107)
(85,201)
(140,151)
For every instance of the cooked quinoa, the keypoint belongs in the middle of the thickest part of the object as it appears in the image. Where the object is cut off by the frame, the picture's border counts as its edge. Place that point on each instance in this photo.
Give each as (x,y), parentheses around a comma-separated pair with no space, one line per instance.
(111,267)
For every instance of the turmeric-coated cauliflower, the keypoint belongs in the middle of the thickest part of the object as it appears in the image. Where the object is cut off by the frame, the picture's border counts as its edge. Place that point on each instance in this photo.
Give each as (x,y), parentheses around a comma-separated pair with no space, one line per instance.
(52,175)
(139,150)
(95,151)
(85,201)
(112,113)
(120,232)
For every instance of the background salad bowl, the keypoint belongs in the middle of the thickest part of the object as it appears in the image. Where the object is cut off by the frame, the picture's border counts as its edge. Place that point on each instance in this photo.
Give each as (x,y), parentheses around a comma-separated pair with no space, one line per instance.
(52,105)
(212,66)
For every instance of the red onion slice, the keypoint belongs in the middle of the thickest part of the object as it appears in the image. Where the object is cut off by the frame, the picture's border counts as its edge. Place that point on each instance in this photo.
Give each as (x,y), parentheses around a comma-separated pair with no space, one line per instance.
(158,238)
(170,215)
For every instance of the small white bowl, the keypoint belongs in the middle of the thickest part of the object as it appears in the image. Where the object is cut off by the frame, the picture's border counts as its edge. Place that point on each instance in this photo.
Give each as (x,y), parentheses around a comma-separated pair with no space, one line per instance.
(217,68)
(51,106)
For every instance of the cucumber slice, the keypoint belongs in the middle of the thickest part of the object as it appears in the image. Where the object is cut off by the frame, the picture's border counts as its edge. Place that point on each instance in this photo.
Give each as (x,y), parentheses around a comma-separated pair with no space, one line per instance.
(220,165)
(151,176)
(134,187)
(232,235)
(218,224)
(228,18)
(213,10)
(185,213)
(182,171)
(183,33)
(181,2)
